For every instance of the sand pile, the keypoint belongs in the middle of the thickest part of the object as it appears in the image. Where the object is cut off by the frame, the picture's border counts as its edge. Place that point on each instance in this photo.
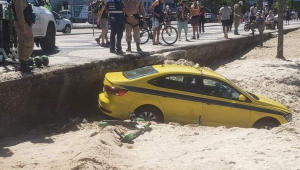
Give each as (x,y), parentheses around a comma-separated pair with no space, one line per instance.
(171,146)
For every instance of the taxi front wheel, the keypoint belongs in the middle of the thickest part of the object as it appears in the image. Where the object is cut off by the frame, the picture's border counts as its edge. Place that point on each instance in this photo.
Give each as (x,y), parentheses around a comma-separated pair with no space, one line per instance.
(149,113)
(267,124)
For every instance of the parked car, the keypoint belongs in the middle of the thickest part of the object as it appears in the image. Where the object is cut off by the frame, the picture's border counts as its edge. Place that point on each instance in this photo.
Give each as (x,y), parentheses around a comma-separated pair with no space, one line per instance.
(211,17)
(65,14)
(187,95)
(44,29)
(62,24)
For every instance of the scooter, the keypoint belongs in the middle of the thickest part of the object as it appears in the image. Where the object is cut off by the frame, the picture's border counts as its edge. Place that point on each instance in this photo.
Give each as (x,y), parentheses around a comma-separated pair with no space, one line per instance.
(132,123)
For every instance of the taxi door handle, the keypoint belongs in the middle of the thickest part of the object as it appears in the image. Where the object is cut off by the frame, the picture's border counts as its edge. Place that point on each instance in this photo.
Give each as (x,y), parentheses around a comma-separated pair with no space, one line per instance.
(207,103)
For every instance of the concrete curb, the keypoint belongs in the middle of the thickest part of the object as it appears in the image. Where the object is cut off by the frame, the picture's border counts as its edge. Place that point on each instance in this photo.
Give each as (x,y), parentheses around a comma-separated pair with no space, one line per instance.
(61,92)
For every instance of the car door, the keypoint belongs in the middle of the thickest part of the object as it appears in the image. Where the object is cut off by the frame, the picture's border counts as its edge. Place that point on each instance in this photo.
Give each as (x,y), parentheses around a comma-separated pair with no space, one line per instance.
(59,21)
(180,98)
(221,105)
(37,26)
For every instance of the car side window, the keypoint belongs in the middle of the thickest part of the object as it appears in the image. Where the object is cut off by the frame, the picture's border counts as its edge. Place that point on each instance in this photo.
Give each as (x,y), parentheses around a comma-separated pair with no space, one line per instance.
(56,16)
(218,88)
(188,83)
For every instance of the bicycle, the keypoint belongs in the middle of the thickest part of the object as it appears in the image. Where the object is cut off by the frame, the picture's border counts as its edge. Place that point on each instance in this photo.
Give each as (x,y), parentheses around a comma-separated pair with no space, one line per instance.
(169,34)
(247,26)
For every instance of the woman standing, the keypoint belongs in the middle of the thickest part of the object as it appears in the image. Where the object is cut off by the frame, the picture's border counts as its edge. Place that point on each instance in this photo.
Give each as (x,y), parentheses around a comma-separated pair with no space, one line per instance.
(231,21)
(195,18)
(287,17)
(202,19)
(182,15)
(103,22)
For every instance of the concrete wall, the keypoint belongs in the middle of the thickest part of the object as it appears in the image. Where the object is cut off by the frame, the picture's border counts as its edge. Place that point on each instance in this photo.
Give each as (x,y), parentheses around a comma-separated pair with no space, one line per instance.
(73,91)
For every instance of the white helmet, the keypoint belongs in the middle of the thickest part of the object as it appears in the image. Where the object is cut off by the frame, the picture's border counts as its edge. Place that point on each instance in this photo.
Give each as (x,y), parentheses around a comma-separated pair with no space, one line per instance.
(241,2)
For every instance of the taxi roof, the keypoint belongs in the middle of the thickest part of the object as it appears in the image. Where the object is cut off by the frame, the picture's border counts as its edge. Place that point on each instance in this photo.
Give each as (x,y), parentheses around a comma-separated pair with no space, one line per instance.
(165,68)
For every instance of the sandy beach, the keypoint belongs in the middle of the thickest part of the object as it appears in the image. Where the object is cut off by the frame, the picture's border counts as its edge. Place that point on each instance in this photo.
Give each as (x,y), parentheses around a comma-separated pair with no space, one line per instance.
(172,146)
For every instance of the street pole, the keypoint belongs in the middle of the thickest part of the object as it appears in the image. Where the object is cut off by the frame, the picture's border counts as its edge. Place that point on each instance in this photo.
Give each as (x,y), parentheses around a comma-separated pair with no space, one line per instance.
(280,29)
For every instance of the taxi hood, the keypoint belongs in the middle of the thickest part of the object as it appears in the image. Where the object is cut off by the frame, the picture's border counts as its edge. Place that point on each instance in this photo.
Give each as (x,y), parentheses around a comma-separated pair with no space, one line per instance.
(268,102)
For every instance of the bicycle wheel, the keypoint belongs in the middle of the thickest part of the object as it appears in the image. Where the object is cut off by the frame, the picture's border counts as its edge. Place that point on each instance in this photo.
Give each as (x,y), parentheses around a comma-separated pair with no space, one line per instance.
(247,27)
(169,35)
(144,35)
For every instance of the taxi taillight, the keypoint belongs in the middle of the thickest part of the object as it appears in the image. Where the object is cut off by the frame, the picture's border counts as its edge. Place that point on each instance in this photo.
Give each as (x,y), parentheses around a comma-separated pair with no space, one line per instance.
(114,90)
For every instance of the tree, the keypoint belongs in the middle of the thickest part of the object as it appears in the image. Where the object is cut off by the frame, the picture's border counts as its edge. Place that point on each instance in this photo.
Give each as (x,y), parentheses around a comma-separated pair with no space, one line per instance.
(280,29)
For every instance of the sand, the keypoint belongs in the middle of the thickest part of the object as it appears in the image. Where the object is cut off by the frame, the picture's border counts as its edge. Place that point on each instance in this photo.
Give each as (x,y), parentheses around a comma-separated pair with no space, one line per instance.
(171,146)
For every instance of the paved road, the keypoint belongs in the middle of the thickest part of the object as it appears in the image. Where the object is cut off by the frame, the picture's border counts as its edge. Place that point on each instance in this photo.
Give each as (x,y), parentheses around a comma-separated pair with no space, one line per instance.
(80,46)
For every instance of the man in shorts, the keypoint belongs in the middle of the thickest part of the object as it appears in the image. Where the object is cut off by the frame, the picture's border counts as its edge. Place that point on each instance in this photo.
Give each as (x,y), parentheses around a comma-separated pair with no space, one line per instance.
(253,11)
(224,16)
(157,17)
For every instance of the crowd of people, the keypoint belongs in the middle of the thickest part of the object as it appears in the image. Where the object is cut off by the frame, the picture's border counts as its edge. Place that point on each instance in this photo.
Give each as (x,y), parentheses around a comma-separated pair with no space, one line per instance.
(131,12)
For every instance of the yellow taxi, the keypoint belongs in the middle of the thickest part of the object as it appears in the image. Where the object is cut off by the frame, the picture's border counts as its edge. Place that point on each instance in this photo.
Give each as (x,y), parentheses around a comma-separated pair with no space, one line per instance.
(187,95)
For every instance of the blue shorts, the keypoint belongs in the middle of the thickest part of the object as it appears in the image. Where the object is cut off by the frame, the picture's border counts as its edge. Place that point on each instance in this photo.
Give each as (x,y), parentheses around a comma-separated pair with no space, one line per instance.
(182,25)
(155,23)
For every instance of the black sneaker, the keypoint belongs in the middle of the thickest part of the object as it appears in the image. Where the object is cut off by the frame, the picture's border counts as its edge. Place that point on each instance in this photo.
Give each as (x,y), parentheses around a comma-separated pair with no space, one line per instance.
(98,41)
(193,38)
(112,51)
(120,52)
(24,67)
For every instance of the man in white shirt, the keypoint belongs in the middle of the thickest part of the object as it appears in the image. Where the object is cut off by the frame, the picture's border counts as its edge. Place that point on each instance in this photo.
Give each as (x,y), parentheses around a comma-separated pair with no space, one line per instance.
(253,11)
(224,16)
(270,17)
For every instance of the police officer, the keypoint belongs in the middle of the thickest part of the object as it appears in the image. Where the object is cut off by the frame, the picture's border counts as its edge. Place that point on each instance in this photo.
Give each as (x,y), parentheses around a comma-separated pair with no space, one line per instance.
(24,19)
(237,16)
(116,10)
(132,23)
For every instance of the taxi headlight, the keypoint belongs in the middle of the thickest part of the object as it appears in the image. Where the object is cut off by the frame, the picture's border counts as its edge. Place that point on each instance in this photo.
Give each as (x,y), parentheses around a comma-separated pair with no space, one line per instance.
(288,117)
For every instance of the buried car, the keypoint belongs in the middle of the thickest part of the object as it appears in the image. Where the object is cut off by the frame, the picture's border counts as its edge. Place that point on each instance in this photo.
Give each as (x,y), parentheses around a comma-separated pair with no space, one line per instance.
(187,95)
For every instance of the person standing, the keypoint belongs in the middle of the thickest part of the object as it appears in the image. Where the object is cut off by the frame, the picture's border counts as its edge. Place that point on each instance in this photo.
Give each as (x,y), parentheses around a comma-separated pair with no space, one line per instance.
(157,13)
(103,22)
(135,7)
(261,27)
(287,17)
(237,16)
(182,15)
(202,19)
(168,15)
(231,22)
(116,10)
(298,15)
(253,11)
(195,18)
(224,16)
(246,17)
(24,18)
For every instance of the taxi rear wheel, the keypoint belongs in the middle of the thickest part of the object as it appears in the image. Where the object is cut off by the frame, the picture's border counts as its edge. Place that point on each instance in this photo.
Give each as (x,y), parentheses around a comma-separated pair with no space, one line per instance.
(149,113)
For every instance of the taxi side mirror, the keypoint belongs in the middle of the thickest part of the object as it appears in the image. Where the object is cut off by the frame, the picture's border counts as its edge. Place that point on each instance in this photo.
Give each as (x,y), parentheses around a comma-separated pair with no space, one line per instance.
(242,98)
